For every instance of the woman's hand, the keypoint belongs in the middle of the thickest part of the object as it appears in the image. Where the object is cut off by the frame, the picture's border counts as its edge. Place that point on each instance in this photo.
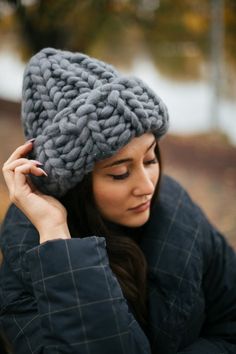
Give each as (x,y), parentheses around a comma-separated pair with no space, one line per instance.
(46,213)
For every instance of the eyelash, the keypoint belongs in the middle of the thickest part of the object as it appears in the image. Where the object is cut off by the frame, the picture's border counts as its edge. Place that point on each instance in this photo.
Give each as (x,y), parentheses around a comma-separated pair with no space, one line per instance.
(125,175)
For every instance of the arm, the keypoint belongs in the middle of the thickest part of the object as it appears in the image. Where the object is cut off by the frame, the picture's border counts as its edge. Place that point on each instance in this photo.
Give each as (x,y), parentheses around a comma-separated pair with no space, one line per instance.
(58,294)
(61,296)
(218,335)
(79,300)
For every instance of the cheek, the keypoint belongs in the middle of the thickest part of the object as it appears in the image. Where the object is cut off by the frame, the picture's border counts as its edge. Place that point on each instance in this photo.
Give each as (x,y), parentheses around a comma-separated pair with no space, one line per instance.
(108,197)
(155,174)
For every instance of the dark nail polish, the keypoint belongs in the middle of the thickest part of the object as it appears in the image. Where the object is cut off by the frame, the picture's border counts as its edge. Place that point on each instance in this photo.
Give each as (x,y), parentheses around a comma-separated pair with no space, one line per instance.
(44,174)
(30,141)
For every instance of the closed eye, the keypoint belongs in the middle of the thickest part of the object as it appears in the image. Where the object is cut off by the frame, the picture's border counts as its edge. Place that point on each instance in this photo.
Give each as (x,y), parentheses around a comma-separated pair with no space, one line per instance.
(149,162)
(126,174)
(119,177)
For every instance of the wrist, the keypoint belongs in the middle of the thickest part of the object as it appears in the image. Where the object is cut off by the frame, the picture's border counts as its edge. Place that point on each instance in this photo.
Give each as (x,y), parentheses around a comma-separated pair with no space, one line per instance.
(54,233)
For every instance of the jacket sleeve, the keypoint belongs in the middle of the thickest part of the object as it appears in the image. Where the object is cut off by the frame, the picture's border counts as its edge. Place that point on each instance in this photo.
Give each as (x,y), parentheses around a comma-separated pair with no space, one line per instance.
(218,335)
(62,297)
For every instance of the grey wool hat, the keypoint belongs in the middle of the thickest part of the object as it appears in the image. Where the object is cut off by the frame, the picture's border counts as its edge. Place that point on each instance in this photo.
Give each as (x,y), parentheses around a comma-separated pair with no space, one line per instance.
(81,110)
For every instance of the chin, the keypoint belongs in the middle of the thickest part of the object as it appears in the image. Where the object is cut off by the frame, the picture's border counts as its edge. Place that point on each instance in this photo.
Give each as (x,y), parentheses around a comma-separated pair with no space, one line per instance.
(137,221)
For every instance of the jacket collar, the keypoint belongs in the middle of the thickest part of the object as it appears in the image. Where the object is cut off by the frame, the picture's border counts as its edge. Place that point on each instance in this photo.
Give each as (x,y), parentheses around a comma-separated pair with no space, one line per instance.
(170,244)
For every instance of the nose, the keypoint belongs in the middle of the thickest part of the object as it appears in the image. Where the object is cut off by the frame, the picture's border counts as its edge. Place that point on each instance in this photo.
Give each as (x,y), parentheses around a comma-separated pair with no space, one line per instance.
(144,184)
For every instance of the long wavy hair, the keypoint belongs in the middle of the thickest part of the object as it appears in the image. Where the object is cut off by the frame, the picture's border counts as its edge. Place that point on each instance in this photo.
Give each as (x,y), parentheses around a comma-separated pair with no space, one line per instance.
(126,259)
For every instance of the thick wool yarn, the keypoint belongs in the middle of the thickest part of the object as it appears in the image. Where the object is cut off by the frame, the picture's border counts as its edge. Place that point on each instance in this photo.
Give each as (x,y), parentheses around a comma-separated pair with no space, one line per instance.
(81,110)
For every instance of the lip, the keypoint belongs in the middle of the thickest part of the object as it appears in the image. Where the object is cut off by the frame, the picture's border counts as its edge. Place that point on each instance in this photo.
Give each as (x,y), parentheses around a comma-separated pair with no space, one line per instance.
(141,207)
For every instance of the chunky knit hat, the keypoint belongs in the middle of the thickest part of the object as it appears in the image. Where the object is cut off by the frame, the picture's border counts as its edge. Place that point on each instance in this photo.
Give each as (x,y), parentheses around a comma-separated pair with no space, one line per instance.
(81,110)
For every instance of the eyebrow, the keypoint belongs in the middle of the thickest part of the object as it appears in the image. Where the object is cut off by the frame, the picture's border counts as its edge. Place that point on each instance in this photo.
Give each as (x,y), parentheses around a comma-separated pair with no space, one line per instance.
(128,159)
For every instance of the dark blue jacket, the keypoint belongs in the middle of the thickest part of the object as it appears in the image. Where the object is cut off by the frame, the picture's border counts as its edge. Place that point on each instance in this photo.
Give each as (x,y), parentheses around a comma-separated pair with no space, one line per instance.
(62,297)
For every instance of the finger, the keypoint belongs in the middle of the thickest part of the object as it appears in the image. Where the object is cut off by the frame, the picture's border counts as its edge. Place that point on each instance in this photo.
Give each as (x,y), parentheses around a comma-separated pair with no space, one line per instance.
(17,178)
(8,169)
(21,151)
(13,164)
(9,179)
(21,173)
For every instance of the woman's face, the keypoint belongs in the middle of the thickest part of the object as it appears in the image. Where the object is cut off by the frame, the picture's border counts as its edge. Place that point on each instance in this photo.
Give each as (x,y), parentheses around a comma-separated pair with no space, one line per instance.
(124,184)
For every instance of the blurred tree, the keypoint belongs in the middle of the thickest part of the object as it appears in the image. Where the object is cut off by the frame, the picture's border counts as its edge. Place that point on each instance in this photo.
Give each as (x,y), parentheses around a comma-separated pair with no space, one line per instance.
(69,24)
(178,37)
(58,23)
(230,47)
(176,34)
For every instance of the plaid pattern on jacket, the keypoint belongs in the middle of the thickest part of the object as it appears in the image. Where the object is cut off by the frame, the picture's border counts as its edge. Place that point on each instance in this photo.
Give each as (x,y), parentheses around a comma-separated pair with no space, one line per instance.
(62,297)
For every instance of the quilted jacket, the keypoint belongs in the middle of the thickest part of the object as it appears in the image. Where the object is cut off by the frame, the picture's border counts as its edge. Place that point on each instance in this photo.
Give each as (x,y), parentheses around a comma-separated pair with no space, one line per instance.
(62,297)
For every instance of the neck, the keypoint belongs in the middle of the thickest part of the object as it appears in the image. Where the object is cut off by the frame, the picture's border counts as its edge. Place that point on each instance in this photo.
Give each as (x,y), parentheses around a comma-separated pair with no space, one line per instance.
(121,230)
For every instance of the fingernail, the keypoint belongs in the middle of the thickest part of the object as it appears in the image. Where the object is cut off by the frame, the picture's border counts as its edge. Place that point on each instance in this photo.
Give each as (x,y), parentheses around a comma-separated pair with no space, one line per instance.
(30,141)
(40,167)
(38,163)
(45,174)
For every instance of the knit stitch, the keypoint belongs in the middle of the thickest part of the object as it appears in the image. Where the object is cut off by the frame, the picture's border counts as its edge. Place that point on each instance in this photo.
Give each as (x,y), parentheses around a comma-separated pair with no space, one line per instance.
(81,110)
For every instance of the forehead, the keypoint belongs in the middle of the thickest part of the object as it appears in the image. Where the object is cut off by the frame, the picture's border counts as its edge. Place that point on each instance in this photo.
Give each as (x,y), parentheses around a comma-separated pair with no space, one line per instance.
(137,146)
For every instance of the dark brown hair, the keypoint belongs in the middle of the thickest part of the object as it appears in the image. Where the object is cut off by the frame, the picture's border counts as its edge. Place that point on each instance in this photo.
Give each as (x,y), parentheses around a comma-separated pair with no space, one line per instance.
(5,347)
(127,260)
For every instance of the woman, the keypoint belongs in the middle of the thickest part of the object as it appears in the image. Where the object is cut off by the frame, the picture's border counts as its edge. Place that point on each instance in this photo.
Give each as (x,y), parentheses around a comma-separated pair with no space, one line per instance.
(102,254)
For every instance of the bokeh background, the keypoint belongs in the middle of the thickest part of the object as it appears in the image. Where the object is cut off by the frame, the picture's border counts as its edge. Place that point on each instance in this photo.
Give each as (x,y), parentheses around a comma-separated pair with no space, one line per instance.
(184,49)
